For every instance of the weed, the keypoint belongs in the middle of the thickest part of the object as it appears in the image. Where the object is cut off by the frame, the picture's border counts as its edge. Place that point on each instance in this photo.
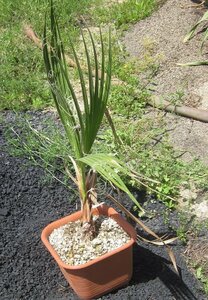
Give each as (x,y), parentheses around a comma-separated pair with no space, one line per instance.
(200,274)
(181,234)
(176,98)
(147,150)
(149,61)
(196,254)
(123,101)
(45,146)
(127,12)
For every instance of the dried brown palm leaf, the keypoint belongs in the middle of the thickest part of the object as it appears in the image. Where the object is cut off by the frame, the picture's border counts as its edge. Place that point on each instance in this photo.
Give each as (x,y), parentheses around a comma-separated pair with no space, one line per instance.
(148,230)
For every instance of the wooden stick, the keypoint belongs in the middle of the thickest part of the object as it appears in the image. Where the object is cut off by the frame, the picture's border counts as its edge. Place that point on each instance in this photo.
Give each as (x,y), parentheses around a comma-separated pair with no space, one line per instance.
(29,32)
(198,5)
(185,111)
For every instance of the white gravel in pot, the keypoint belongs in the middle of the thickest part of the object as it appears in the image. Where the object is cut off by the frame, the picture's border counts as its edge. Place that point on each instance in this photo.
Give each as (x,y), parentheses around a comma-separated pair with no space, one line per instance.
(74,249)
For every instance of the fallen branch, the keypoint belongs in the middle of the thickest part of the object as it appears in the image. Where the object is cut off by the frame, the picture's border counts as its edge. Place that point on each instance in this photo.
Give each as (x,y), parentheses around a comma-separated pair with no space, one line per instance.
(29,32)
(198,5)
(149,231)
(185,111)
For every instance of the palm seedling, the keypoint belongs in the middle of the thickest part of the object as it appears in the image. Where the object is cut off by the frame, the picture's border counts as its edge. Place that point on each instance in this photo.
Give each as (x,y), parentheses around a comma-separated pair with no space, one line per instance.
(82,121)
(82,124)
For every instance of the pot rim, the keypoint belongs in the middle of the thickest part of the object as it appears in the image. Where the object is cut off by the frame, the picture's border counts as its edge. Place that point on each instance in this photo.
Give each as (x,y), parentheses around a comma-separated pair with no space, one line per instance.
(49,228)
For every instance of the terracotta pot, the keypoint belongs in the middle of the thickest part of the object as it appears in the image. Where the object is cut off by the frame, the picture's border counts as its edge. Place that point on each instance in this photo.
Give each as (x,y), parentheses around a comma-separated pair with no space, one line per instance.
(100,275)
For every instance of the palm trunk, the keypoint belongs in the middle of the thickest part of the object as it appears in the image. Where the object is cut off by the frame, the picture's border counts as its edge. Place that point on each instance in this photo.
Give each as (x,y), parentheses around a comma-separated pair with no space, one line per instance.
(87,212)
(91,198)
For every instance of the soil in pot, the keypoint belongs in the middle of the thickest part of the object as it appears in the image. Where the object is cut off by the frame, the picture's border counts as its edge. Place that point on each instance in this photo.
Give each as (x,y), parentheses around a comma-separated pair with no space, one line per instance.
(75,248)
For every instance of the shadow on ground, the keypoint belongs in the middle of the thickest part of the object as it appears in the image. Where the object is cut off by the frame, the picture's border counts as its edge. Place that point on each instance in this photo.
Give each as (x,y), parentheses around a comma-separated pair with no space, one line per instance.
(149,266)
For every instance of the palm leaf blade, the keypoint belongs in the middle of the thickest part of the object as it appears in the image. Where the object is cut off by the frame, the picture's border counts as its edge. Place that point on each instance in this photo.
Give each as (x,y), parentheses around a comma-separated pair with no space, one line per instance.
(109,167)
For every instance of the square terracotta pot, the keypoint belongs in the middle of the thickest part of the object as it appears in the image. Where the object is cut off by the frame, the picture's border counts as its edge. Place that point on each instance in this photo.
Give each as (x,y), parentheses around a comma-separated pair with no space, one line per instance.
(103,274)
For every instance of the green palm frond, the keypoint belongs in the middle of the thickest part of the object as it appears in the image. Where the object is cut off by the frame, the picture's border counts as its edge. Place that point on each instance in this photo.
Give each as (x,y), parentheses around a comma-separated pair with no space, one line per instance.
(81,127)
(61,88)
(193,29)
(194,63)
(205,37)
(109,168)
(191,34)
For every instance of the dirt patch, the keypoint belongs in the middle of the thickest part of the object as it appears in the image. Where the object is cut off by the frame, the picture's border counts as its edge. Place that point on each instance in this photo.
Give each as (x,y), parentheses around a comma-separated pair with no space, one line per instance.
(186,135)
(197,253)
(166,29)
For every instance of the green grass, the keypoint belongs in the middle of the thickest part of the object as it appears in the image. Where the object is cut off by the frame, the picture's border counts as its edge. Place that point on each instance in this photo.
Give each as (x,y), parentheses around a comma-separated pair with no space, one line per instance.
(127,12)
(123,101)
(21,73)
(46,147)
(147,149)
(23,84)
(203,277)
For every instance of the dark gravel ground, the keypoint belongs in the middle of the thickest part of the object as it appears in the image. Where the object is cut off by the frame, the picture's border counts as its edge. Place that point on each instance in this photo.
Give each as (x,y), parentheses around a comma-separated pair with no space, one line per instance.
(28,203)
